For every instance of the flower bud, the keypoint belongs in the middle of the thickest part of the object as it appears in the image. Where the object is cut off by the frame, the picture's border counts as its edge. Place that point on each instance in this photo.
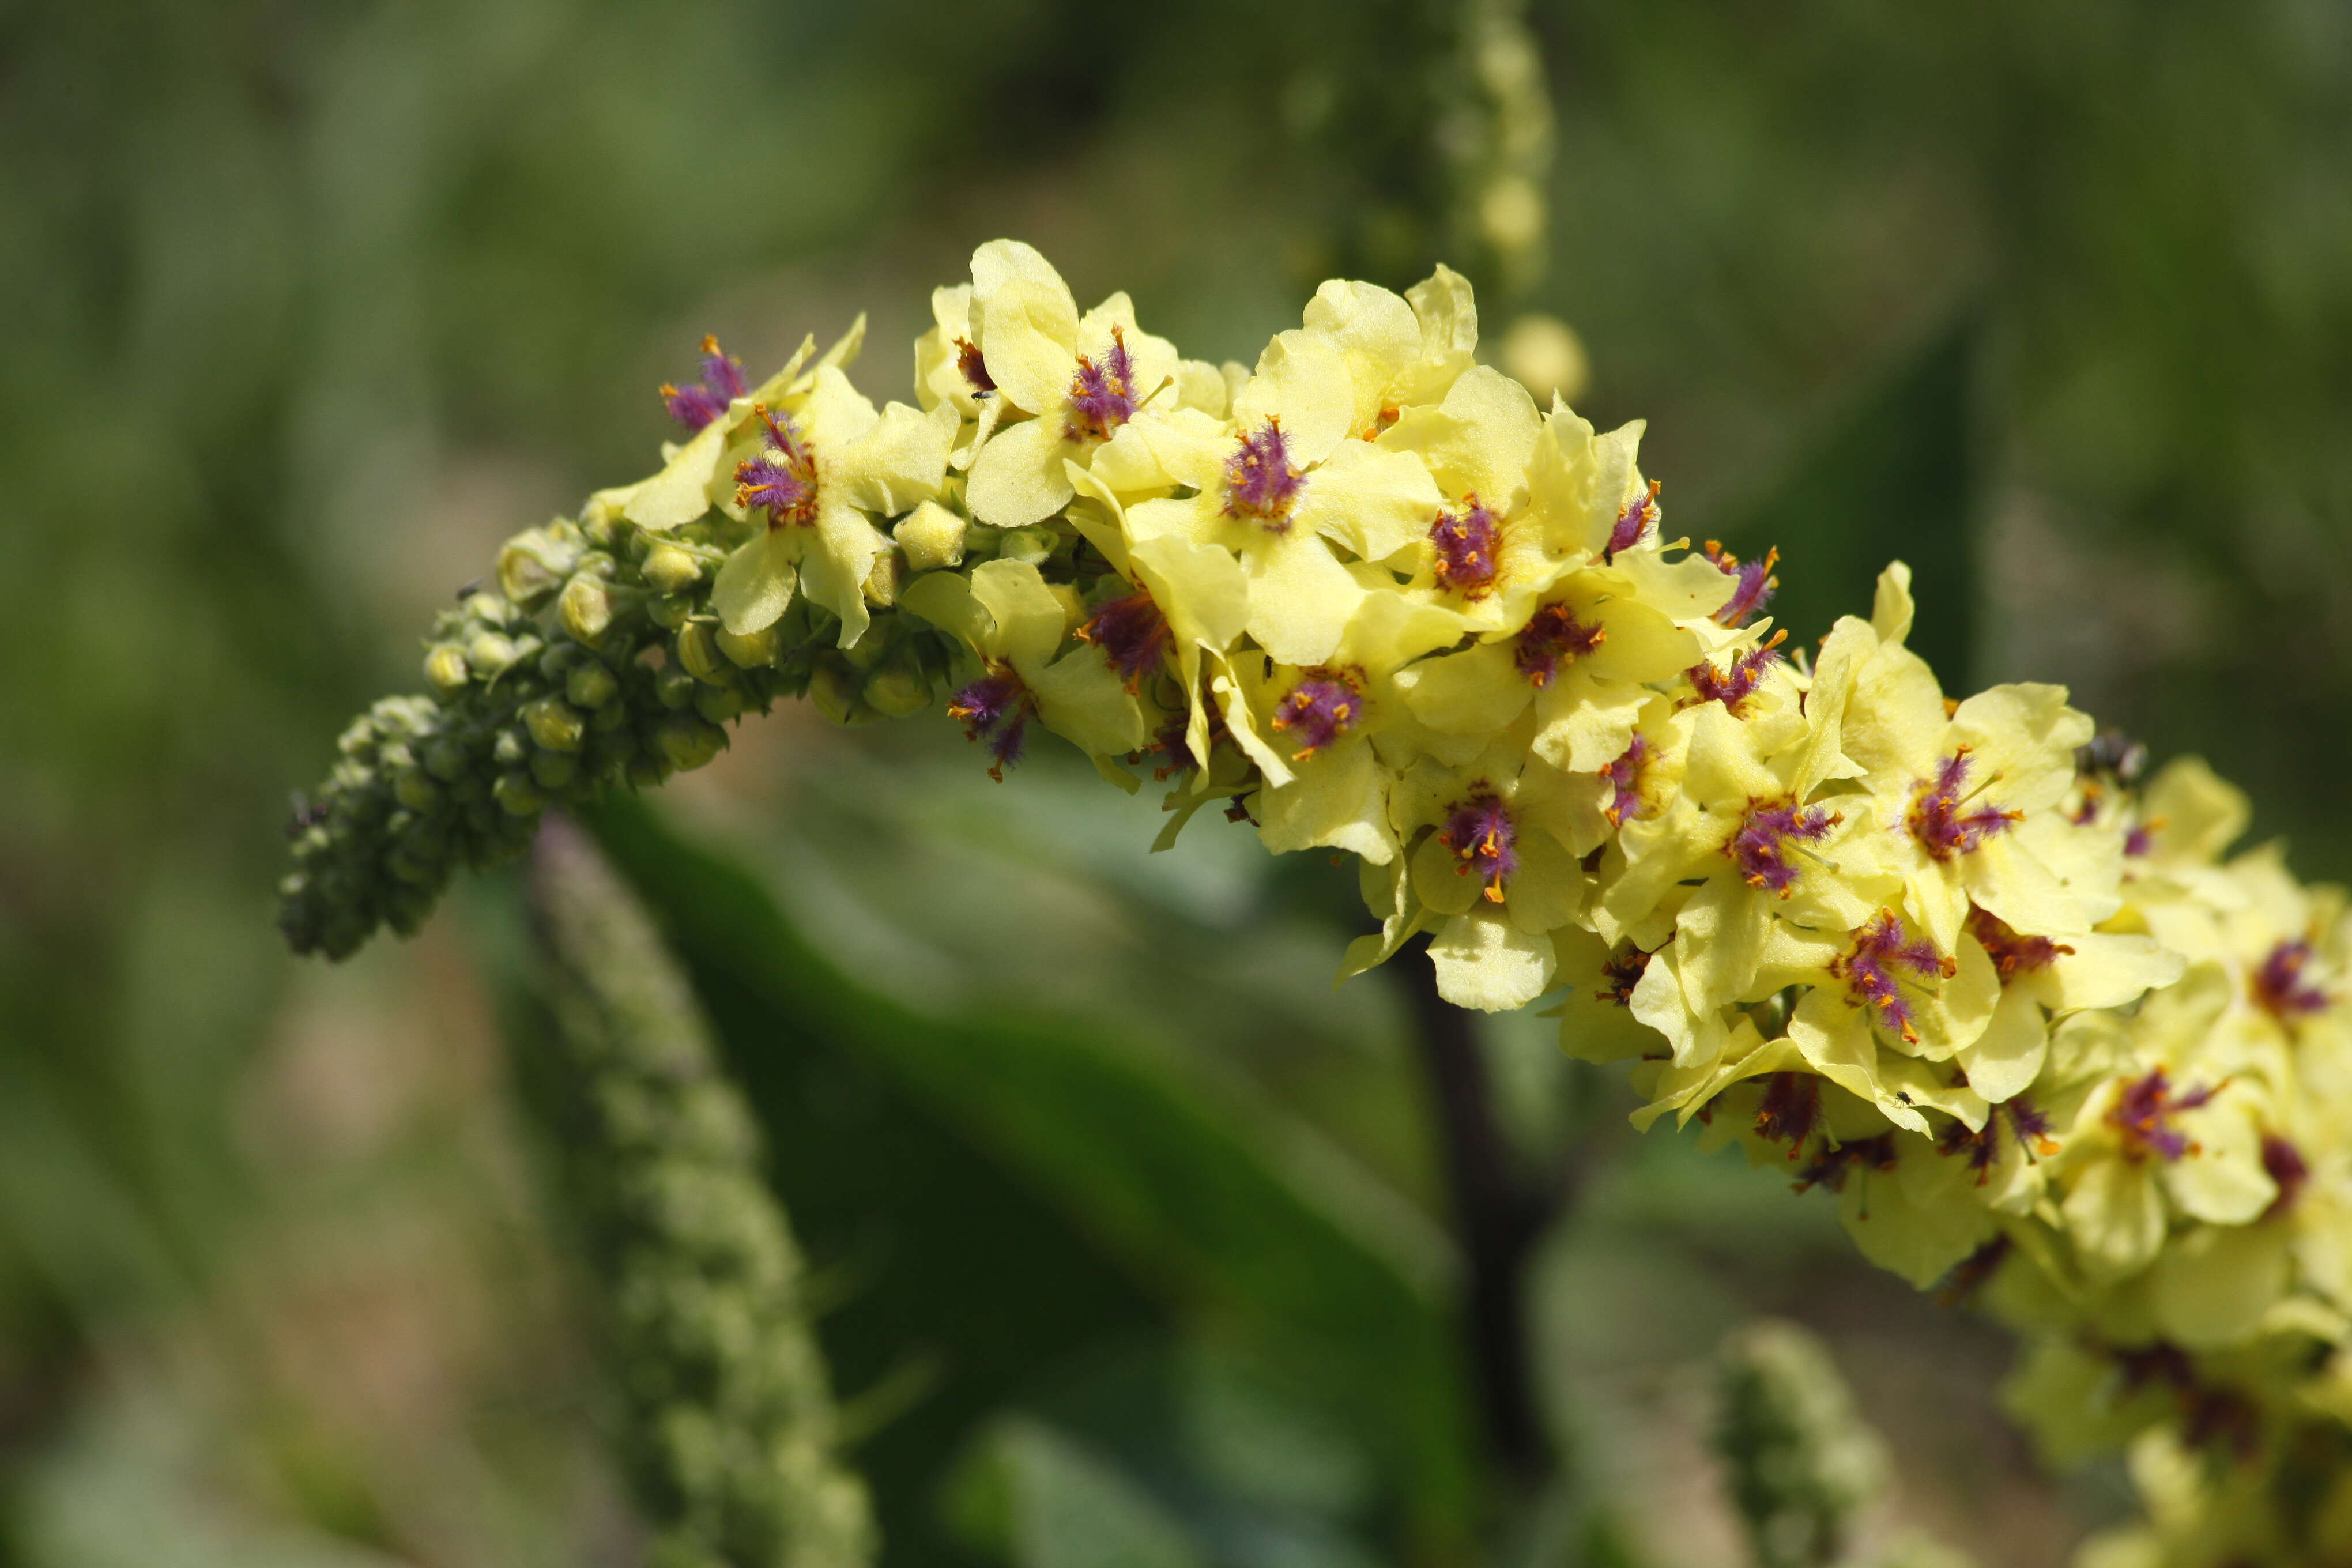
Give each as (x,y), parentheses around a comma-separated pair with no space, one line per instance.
(647,770)
(881,588)
(591,687)
(670,610)
(834,691)
(720,704)
(445,667)
(898,692)
(445,759)
(416,791)
(586,609)
(519,795)
(555,724)
(511,748)
(697,649)
(554,769)
(1034,545)
(689,743)
(931,537)
(670,569)
(756,652)
(491,653)
(532,564)
(486,607)
(673,686)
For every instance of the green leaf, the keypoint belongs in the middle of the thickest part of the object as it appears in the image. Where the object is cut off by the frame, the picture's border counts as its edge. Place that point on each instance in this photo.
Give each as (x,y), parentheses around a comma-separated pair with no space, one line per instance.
(1165,1171)
(1040,1499)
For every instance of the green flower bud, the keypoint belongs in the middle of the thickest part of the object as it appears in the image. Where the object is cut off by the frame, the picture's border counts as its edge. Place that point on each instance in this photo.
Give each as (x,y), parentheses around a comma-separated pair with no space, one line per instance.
(511,748)
(720,704)
(445,667)
(897,691)
(486,607)
(670,611)
(697,649)
(1034,545)
(673,686)
(446,758)
(592,686)
(532,563)
(519,795)
(554,769)
(756,652)
(491,653)
(931,537)
(881,586)
(689,743)
(586,609)
(611,716)
(647,770)
(834,691)
(416,791)
(874,645)
(671,570)
(555,725)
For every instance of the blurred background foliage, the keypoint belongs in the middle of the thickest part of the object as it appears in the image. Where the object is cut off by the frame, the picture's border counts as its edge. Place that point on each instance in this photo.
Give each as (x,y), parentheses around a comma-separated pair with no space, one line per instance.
(1129,1230)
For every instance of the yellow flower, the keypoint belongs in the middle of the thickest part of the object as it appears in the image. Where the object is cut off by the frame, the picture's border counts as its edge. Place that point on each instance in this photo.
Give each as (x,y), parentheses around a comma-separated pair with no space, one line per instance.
(821,468)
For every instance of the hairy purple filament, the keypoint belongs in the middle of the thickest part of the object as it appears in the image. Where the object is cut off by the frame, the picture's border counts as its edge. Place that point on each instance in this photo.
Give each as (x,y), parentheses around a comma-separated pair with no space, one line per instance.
(973,368)
(1323,706)
(2143,1114)
(1622,971)
(1464,543)
(1625,776)
(2011,953)
(1734,686)
(1553,636)
(2031,1129)
(1260,483)
(2280,988)
(697,404)
(1480,833)
(2027,1125)
(1937,818)
(1790,1109)
(1761,846)
(996,708)
(782,478)
(2283,1164)
(1634,522)
(2140,840)
(1102,396)
(1131,633)
(1831,1163)
(1873,972)
(1755,584)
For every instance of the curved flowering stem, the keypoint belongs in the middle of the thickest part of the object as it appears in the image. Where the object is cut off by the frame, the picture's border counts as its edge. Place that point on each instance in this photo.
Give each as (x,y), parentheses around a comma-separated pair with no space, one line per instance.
(1955,962)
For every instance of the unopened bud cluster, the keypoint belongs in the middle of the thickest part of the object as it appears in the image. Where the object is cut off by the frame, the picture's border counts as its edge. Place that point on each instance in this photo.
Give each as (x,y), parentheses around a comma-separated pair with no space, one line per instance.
(1954,960)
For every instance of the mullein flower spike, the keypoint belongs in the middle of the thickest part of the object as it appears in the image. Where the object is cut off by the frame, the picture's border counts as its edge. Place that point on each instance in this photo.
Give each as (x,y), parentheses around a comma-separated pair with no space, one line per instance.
(1959,963)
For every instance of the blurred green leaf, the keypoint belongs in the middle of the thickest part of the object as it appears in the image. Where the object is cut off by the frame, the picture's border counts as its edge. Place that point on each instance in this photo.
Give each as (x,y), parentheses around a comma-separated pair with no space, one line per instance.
(1170,1177)
(1041,1500)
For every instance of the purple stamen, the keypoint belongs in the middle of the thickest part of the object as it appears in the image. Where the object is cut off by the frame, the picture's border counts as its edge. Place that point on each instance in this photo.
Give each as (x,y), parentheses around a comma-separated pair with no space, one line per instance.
(1755,584)
(1553,636)
(782,478)
(1829,1166)
(2143,1113)
(1102,396)
(2280,988)
(1938,820)
(973,368)
(996,708)
(1760,847)
(2141,839)
(1480,833)
(1323,706)
(1733,686)
(1131,633)
(1790,1109)
(697,404)
(1622,971)
(1982,1147)
(2011,953)
(1260,483)
(1634,522)
(1464,543)
(1625,777)
(1873,972)
(2032,1129)
(2283,1164)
